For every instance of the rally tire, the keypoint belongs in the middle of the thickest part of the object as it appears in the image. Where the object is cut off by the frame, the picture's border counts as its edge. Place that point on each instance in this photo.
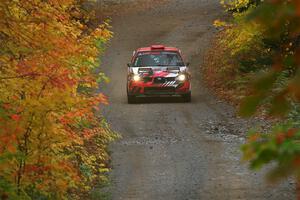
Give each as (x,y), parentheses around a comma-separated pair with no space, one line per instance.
(187,98)
(131,99)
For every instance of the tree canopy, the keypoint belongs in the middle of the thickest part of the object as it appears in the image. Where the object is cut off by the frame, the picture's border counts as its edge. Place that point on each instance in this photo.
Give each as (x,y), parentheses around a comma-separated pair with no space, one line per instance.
(51,139)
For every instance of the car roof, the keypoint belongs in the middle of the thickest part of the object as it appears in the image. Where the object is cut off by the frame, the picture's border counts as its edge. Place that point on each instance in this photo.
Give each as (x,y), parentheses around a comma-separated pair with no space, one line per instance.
(157,48)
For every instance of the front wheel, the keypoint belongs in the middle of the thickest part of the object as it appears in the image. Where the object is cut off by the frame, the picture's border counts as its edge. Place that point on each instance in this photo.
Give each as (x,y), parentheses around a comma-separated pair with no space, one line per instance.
(131,99)
(187,97)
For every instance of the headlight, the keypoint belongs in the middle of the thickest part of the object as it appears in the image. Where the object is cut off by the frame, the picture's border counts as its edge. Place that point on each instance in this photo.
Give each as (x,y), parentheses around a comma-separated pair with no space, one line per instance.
(136,77)
(181,77)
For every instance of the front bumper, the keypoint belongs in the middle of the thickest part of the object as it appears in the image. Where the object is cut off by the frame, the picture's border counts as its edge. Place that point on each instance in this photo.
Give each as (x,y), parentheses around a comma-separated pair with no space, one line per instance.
(141,89)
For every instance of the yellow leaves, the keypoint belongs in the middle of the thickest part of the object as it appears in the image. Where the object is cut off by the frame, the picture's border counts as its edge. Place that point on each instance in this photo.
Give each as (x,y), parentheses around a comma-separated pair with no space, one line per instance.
(16,11)
(91,59)
(218,23)
(234,4)
(103,170)
(242,37)
(103,32)
(92,158)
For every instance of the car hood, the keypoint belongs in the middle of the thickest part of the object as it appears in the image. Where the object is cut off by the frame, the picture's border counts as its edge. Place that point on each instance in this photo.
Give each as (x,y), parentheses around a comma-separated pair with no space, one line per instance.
(165,71)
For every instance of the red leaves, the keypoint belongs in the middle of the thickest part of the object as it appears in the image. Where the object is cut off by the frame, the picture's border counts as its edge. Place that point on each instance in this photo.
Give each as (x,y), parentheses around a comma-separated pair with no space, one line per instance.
(100,98)
(6,106)
(296,161)
(87,133)
(289,134)
(15,117)
(8,142)
(297,5)
(36,168)
(63,79)
(254,137)
(294,89)
(280,137)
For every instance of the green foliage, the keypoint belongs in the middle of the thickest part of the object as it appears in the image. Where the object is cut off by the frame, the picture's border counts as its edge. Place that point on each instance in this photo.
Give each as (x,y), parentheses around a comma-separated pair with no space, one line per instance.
(281,146)
(239,6)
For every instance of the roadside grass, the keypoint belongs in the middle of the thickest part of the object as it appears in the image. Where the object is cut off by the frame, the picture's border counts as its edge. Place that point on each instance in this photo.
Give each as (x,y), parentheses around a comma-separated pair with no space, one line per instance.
(101,191)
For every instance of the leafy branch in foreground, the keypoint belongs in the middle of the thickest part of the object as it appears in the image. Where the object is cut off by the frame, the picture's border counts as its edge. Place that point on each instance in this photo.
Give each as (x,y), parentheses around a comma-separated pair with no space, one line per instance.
(257,65)
(277,89)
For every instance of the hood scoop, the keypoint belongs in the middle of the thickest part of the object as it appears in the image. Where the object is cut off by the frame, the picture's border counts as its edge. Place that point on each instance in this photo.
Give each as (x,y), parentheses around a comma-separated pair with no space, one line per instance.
(145,71)
(173,69)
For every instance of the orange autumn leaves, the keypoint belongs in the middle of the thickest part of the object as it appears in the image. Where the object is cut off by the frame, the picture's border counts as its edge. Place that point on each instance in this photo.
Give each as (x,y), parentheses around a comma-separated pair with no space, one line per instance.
(281,146)
(49,99)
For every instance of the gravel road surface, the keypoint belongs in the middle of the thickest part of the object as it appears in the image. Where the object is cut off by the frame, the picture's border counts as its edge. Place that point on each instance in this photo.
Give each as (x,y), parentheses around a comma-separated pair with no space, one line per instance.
(172,150)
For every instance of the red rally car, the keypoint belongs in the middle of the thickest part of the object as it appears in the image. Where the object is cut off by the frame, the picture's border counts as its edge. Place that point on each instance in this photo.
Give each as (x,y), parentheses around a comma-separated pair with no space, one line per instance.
(157,71)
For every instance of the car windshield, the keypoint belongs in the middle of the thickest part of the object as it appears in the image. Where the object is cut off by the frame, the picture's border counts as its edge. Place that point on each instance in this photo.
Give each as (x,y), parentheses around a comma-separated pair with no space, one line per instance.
(145,59)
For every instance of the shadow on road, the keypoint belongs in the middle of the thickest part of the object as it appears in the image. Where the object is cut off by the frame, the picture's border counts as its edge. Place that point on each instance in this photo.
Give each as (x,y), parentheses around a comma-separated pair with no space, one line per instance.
(154,100)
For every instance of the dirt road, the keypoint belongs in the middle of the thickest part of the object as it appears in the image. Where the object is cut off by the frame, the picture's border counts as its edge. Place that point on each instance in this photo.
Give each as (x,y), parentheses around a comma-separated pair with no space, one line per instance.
(172,150)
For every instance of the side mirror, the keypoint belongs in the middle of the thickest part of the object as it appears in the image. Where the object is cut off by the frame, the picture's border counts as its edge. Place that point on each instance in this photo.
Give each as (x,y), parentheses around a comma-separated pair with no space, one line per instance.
(128,64)
(187,64)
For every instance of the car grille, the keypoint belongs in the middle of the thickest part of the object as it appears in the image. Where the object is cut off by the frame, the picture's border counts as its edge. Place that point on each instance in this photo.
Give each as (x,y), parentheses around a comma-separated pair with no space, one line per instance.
(159,90)
(147,79)
(161,80)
